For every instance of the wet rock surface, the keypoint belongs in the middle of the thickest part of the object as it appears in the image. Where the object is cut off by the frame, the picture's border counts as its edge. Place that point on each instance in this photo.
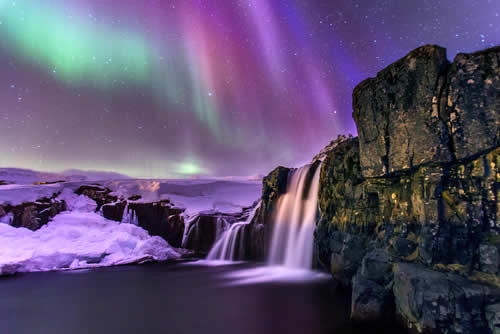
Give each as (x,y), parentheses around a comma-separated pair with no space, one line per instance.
(418,191)
(436,302)
(397,114)
(204,229)
(409,212)
(259,230)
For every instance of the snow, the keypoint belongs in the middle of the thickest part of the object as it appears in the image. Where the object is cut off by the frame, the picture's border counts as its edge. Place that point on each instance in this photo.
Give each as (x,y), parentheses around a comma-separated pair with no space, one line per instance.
(16,194)
(28,176)
(228,195)
(195,196)
(78,240)
(76,202)
(7,219)
(82,238)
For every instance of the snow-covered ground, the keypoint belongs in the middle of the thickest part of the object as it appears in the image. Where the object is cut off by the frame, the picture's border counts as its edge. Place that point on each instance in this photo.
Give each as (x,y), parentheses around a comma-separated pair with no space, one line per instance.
(82,238)
(193,195)
(228,195)
(78,240)
(28,176)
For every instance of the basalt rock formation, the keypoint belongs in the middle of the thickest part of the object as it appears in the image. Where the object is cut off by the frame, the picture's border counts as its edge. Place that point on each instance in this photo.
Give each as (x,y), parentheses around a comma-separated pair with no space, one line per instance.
(409,210)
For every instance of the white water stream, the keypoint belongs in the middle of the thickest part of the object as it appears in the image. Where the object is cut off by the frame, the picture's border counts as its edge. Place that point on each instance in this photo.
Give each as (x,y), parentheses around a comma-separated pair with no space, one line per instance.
(292,239)
(231,245)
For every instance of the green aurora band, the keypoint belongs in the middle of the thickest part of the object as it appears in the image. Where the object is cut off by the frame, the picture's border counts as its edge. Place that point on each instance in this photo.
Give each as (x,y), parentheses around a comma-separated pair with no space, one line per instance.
(73,50)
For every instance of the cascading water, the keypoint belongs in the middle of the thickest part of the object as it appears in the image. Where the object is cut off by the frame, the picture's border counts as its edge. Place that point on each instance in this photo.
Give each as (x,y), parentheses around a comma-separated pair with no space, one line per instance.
(230,246)
(292,238)
(129,216)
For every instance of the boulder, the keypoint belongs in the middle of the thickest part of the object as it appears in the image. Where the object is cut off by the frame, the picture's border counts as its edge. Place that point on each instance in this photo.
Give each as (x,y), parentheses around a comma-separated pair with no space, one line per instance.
(489,258)
(372,297)
(347,252)
(370,301)
(436,302)
(377,266)
(493,317)
(403,247)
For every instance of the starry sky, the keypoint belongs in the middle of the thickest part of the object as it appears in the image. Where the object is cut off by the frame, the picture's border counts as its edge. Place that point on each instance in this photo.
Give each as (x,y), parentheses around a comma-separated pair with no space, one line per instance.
(178,88)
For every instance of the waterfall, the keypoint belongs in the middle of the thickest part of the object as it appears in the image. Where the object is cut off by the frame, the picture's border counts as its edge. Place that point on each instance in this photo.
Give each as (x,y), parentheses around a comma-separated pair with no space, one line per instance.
(292,238)
(231,245)
(129,216)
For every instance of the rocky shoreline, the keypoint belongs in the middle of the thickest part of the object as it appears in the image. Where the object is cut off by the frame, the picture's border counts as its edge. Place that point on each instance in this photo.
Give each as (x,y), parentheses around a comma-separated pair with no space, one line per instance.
(409,210)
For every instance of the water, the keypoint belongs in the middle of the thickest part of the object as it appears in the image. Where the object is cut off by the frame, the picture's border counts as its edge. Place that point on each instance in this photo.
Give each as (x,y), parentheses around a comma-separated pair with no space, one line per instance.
(168,298)
(129,216)
(231,245)
(292,239)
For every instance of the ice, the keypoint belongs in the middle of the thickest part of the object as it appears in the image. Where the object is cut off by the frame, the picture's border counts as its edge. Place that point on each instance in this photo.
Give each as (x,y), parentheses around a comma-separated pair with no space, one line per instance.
(78,240)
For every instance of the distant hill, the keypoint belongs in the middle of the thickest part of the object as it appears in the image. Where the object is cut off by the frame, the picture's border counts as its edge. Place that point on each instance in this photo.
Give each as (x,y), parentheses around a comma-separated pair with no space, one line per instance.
(28,176)
(94,175)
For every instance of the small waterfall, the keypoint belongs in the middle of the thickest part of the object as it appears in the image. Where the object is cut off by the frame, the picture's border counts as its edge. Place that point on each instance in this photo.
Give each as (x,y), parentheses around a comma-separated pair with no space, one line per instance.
(231,245)
(129,216)
(292,238)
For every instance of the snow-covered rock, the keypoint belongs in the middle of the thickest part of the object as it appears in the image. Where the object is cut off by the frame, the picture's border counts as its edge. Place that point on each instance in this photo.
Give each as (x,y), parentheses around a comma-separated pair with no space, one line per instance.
(82,238)
(195,196)
(78,240)
(76,202)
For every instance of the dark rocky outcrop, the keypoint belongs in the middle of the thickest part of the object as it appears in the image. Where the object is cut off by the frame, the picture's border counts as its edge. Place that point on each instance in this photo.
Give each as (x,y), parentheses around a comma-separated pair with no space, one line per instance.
(162,219)
(158,218)
(100,195)
(432,301)
(205,228)
(259,230)
(114,211)
(397,114)
(33,215)
(410,211)
(203,231)
(471,109)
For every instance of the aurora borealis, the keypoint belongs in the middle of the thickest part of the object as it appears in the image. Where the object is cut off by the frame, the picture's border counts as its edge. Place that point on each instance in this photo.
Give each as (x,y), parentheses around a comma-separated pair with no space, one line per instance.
(160,88)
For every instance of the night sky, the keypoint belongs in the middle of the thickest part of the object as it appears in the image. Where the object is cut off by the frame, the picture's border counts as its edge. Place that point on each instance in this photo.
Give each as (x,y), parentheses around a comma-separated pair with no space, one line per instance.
(203,87)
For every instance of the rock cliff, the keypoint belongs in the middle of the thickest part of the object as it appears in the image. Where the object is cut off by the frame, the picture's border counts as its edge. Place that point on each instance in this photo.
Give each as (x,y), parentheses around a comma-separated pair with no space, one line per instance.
(409,210)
